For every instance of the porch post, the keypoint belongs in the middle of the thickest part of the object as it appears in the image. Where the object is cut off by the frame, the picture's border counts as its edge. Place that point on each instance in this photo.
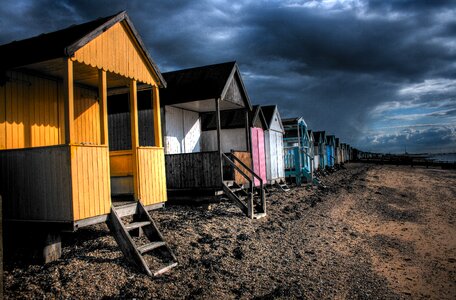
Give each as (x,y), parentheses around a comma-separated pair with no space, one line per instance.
(134,134)
(219,140)
(157,117)
(247,131)
(68,96)
(103,95)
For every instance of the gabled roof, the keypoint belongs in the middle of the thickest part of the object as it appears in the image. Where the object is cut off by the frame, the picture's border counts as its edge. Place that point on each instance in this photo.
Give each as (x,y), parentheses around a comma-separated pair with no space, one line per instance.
(331,139)
(201,83)
(319,136)
(256,115)
(65,42)
(269,111)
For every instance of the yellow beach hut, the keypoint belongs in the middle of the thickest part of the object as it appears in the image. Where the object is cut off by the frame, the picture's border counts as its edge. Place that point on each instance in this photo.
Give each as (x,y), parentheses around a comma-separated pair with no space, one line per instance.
(56,166)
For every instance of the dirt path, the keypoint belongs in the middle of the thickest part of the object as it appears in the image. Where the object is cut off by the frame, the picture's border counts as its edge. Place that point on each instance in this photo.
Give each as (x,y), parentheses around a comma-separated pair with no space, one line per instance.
(375,232)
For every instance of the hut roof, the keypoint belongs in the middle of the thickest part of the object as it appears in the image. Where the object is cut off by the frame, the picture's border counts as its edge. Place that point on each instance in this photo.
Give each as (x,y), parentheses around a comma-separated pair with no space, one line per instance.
(319,136)
(268,112)
(257,118)
(64,43)
(201,83)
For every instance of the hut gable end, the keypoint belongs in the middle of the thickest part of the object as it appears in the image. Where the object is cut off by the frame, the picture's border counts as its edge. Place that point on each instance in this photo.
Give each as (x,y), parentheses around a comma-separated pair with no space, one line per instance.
(116,51)
(233,93)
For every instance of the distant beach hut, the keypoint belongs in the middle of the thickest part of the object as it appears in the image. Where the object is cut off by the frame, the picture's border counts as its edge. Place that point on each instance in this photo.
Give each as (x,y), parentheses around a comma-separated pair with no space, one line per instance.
(275,169)
(320,143)
(297,152)
(330,150)
(338,152)
(56,164)
(207,136)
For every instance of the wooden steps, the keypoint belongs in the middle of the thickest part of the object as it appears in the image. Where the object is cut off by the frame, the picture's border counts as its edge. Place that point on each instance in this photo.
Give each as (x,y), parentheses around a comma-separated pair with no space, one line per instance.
(282,186)
(249,202)
(140,240)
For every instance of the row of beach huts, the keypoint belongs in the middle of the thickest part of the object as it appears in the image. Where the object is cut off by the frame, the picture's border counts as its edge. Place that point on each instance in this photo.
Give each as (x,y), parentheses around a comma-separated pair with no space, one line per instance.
(91,131)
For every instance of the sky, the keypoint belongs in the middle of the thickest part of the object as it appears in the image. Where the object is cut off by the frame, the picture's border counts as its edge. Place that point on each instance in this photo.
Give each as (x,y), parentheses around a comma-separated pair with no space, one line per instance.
(380,75)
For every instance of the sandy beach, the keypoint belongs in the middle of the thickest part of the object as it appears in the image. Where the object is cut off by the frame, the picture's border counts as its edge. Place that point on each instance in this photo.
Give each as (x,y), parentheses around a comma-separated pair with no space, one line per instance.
(377,232)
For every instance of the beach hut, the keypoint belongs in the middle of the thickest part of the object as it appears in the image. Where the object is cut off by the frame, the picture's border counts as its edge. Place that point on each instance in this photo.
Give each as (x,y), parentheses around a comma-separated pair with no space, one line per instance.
(275,169)
(297,158)
(320,143)
(330,150)
(258,126)
(338,153)
(311,154)
(316,149)
(56,165)
(207,137)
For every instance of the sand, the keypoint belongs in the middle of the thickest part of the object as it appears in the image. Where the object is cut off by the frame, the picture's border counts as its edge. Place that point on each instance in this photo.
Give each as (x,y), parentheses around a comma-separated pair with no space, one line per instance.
(377,232)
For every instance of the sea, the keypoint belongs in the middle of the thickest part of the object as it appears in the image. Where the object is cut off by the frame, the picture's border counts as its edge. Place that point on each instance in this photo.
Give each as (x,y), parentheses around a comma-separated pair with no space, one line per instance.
(446,157)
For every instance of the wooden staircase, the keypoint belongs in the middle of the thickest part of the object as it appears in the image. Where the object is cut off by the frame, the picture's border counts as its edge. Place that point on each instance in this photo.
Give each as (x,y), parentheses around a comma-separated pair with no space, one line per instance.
(282,186)
(140,240)
(250,199)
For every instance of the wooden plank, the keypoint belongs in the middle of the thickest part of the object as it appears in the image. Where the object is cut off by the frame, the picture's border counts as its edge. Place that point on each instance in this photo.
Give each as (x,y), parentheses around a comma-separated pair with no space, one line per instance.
(134,134)
(68,94)
(157,117)
(103,97)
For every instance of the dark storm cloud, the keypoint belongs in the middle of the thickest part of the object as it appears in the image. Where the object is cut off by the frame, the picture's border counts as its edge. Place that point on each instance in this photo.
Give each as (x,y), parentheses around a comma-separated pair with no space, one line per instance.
(337,64)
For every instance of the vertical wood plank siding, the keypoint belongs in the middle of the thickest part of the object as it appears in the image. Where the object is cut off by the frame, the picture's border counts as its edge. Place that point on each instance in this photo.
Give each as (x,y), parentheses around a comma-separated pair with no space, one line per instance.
(193,170)
(91,181)
(36,183)
(86,116)
(151,175)
(115,51)
(31,113)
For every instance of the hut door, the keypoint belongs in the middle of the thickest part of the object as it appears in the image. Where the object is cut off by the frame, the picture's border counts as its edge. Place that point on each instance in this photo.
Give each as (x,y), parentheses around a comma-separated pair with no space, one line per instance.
(258,154)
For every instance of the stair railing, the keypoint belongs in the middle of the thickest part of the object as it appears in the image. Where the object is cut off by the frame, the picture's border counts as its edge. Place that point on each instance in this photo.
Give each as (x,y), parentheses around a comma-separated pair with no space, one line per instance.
(250,180)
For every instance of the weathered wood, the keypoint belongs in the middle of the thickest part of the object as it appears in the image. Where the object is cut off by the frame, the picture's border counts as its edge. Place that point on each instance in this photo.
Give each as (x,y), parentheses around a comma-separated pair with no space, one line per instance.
(145,223)
(126,243)
(246,158)
(193,170)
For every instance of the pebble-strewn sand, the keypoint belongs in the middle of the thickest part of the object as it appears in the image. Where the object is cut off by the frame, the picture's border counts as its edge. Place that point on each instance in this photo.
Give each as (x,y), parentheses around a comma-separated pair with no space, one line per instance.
(375,232)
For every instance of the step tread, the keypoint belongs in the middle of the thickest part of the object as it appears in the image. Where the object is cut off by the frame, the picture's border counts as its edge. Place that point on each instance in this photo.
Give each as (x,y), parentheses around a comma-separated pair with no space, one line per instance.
(151,246)
(259,215)
(165,269)
(134,225)
(126,210)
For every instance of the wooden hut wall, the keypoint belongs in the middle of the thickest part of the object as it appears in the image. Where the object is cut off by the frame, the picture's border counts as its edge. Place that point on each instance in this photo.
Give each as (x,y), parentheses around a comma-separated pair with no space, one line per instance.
(274,151)
(182,131)
(231,139)
(31,113)
(258,154)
